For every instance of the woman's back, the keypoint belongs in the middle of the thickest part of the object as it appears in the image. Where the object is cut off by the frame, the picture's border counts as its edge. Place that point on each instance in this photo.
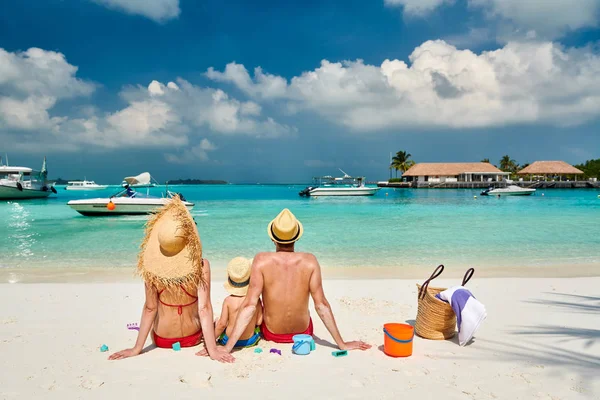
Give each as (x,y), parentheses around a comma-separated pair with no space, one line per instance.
(177,314)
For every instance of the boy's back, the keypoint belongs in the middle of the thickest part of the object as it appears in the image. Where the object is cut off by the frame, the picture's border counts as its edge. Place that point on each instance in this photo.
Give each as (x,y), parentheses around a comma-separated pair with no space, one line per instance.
(231,306)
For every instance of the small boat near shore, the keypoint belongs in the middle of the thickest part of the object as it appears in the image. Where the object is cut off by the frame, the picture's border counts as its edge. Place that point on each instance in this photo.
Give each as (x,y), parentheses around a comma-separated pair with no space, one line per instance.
(84,185)
(344,186)
(511,190)
(125,202)
(20,183)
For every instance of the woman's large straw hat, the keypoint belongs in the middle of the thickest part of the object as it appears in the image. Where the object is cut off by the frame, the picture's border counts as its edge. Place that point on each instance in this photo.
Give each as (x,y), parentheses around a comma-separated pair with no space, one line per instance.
(285,228)
(238,276)
(171,252)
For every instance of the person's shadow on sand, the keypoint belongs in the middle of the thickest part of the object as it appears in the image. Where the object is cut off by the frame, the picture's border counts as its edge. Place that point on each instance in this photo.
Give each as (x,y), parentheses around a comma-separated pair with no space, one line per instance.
(323,342)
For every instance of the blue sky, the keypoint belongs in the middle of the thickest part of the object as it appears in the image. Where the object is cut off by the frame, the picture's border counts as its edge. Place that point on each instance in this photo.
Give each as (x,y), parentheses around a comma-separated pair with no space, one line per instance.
(109,88)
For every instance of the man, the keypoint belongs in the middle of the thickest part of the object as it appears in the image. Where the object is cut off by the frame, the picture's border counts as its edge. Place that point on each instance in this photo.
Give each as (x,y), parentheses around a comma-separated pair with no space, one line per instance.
(286,279)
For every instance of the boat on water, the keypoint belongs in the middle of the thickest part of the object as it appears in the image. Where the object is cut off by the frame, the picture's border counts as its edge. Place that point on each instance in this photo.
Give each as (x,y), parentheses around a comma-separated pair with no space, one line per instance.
(84,185)
(125,202)
(142,180)
(511,190)
(20,183)
(343,186)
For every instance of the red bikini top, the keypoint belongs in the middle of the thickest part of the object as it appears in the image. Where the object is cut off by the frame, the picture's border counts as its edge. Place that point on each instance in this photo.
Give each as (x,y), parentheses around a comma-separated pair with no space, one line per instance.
(179,307)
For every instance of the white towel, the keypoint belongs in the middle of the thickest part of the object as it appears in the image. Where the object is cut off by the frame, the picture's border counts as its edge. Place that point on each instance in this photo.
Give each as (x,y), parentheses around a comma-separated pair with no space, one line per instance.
(470,313)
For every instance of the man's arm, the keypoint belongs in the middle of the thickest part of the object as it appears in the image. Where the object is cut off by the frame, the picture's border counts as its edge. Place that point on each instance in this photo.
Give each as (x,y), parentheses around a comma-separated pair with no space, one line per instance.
(249,305)
(324,310)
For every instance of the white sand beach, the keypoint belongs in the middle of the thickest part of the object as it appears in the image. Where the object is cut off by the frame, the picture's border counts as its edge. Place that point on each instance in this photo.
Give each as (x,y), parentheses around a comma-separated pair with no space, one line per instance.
(541,340)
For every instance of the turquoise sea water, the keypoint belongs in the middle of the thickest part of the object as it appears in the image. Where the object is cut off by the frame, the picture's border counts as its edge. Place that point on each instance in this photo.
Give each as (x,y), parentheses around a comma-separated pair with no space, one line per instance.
(396,228)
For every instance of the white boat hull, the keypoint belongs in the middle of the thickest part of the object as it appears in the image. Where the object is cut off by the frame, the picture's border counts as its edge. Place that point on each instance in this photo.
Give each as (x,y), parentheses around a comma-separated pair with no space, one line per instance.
(349,191)
(510,191)
(84,188)
(13,193)
(123,206)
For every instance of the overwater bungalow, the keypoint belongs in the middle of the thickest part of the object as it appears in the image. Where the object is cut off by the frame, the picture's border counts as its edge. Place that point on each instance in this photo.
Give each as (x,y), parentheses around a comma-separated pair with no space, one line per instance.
(553,170)
(454,172)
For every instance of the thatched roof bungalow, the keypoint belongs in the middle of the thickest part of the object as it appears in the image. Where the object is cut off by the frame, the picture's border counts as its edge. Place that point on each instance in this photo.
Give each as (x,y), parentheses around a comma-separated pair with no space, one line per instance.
(554,168)
(454,172)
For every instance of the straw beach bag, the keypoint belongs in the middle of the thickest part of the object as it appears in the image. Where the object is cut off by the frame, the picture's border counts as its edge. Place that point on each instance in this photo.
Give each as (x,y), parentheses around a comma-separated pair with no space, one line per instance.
(435,318)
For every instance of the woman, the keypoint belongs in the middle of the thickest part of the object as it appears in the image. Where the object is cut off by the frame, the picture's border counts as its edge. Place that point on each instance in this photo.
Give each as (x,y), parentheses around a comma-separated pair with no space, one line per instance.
(177,279)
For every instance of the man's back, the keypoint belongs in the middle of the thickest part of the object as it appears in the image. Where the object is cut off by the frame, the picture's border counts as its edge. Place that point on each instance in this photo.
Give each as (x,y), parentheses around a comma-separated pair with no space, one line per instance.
(286,289)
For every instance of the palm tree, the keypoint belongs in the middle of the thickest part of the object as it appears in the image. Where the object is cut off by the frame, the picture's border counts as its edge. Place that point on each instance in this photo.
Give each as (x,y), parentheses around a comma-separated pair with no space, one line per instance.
(486,160)
(508,165)
(402,162)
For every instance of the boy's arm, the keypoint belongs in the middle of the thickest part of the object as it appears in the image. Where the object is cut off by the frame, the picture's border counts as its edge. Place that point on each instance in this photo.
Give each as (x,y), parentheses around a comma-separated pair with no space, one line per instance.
(259,317)
(223,319)
(248,307)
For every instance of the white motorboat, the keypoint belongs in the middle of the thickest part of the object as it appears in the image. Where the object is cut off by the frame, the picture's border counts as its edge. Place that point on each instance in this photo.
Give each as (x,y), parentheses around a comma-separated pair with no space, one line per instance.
(19,183)
(142,180)
(126,202)
(511,190)
(84,185)
(344,186)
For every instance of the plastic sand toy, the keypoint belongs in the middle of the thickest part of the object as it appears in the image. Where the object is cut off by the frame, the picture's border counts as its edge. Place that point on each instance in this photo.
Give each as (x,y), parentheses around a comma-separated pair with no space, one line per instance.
(339,353)
(258,350)
(176,346)
(276,351)
(104,348)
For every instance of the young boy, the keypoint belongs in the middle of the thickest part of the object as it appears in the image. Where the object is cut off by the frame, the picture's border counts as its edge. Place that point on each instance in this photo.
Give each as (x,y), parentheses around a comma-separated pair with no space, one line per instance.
(238,279)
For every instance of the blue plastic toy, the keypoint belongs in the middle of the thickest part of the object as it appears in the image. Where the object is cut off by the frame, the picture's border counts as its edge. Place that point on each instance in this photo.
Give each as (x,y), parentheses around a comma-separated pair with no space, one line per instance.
(104,348)
(258,350)
(339,353)
(176,346)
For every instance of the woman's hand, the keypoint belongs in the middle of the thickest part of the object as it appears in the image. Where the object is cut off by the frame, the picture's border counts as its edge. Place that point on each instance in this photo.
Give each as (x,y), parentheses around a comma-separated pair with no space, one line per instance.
(218,354)
(124,354)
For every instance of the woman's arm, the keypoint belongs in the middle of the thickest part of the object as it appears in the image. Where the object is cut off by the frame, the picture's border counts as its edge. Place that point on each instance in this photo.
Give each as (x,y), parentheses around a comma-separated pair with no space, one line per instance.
(148,317)
(206,319)
(221,324)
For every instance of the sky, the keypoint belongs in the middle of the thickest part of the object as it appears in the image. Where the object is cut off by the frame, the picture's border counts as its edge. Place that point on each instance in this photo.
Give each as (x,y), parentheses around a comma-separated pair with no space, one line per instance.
(270,91)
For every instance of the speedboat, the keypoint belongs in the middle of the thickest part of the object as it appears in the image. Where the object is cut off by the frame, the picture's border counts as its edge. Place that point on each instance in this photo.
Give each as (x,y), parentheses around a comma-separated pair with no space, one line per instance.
(344,186)
(142,180)
(511,190)
(125,202)
(84,185)
(17,183)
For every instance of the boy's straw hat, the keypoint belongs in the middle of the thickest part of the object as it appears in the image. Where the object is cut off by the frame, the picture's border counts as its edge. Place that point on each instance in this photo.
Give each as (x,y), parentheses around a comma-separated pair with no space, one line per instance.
(285,228)
(238,276)
(171,252)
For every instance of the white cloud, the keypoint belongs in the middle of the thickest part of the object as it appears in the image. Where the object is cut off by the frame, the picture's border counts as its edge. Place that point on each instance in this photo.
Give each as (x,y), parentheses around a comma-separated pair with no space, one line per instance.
(156,10)
(519,18)
(33,82)
(417,7)
(524,82)
(263,85)
(548,19)
(193,154)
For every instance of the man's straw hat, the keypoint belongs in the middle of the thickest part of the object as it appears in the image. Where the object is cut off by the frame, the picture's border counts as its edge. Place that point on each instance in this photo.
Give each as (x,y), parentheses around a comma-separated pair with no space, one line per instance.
(171,252)
(238,276)
(285,228)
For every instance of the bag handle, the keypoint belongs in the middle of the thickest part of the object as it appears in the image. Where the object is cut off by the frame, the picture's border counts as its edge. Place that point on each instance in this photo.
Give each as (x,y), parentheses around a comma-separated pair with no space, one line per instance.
(468,276)
(425,285)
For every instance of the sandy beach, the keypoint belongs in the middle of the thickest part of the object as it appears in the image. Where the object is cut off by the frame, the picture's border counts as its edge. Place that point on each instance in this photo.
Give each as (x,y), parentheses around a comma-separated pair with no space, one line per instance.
(540,341)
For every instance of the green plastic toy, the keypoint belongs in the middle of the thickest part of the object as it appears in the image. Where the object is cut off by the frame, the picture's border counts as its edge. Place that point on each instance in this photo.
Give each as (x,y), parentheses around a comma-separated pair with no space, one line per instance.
(339,353)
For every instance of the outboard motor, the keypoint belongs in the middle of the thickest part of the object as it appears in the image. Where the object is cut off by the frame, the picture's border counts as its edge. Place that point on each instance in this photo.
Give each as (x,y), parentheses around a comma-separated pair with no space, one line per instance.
(306,192)
(53,189)
(19,187)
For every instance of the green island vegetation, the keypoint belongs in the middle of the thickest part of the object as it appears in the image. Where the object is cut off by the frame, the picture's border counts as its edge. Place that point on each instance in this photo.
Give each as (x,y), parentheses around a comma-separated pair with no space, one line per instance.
(591,168)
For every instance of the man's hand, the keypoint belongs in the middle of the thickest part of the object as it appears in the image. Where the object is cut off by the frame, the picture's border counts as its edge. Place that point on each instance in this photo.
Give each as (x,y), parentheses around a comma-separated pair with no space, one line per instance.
(124,354)
(355,345)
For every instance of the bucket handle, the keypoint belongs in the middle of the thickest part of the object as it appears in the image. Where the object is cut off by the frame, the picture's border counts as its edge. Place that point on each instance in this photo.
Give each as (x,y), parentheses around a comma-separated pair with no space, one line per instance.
(297,345)
(425,285)
(398,340)
(468,276)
